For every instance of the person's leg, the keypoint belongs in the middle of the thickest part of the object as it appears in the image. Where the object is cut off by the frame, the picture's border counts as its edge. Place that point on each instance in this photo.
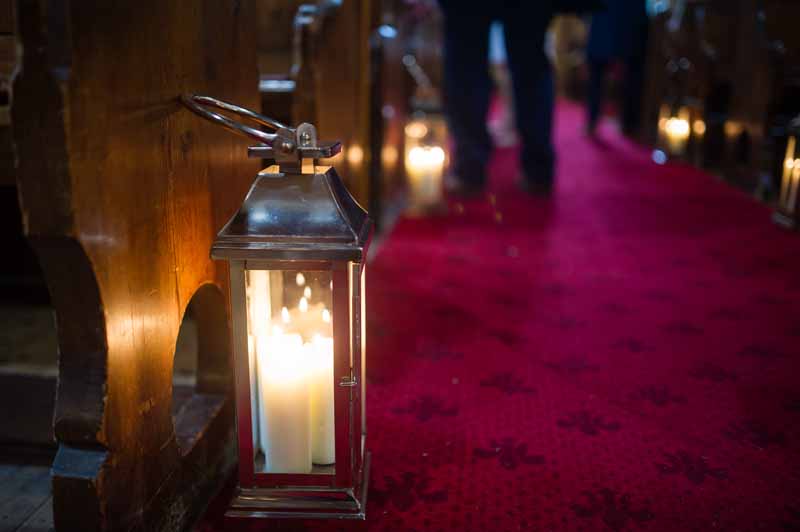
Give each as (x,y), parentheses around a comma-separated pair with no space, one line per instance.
(594,100)
(466,89)
(532,80)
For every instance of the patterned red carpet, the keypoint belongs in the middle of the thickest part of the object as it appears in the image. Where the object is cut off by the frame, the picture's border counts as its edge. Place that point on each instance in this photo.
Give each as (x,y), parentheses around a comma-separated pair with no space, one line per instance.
(623,356)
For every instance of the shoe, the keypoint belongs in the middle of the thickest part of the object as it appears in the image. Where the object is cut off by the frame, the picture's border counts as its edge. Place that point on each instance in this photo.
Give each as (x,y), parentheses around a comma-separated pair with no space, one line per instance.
(535,188)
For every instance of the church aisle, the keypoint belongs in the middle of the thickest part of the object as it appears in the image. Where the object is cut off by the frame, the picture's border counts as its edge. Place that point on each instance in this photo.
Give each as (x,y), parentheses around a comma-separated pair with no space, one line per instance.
(622,356)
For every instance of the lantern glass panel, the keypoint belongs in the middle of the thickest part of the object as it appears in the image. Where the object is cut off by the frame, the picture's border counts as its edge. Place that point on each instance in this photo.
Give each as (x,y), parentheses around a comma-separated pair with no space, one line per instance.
(290,353)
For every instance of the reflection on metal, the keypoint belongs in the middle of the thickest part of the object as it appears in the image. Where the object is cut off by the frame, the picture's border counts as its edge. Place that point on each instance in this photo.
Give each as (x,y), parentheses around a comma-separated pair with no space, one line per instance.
(287,146)
(276,85)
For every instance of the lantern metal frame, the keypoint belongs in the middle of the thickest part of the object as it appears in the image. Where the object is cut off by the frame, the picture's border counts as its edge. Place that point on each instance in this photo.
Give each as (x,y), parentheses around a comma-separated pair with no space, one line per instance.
(274,230)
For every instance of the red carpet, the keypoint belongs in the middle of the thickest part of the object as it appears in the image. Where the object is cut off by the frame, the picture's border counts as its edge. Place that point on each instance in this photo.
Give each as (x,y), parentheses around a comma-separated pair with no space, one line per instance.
(623,356)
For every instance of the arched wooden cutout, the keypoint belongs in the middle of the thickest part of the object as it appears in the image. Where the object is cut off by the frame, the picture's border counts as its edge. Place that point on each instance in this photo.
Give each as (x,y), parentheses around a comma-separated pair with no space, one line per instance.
(122,192)
(213,372)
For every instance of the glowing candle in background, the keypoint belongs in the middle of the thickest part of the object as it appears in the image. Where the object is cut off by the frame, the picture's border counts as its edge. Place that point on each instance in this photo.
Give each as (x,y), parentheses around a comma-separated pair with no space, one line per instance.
(424,165)
(788,170)
(677,131)
(699,127)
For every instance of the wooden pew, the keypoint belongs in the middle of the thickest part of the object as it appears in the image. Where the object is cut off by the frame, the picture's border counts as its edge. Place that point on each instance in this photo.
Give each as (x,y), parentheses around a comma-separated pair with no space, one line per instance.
(122,192)
(741,58)
(8,62)
(320,51)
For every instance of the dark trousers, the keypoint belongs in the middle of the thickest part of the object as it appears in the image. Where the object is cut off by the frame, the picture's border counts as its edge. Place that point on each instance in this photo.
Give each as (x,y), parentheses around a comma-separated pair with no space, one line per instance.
(467,84)
(631,97)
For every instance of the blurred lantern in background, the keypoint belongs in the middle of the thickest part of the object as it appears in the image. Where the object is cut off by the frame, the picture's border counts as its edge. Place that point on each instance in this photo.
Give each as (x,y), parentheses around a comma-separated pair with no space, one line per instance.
(296,254)
(786,212)
(425,161)
(681,131)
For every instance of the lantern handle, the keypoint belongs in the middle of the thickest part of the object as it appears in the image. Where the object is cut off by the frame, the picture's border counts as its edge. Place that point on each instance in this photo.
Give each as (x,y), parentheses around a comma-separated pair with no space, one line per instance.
(287,145)
(199,104)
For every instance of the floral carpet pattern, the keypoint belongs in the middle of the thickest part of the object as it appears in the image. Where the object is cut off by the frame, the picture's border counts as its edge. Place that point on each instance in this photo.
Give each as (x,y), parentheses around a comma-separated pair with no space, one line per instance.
(622,356)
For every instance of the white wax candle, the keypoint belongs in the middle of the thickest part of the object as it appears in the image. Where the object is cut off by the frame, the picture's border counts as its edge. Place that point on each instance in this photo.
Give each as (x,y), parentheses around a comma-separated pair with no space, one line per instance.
(283,379)
(323,447)
(424,165)
(788,166)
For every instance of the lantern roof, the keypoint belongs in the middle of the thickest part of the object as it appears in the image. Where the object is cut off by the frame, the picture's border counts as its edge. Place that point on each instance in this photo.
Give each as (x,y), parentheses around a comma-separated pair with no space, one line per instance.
(296,217)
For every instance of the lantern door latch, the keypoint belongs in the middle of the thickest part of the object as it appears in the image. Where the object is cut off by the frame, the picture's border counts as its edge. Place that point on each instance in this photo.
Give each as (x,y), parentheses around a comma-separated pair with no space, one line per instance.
(287,146)
(348,381)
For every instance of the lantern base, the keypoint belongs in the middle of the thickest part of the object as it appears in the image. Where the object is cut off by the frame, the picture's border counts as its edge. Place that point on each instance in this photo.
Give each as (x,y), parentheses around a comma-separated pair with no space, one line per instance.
(303,502)
(784,220)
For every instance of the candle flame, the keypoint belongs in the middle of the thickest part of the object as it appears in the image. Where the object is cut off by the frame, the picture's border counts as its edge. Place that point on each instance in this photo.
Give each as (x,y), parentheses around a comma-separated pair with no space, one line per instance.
(355,155)
(303,306)
(426,156)
(699,127)
(416,129)
(307,292)
(285,315)
(677,127)
(300,279)
(326,315)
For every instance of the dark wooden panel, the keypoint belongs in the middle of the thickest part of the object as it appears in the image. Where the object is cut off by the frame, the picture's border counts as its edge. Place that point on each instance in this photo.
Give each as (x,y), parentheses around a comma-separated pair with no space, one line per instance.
(333,86)
(32,424)
(122,192)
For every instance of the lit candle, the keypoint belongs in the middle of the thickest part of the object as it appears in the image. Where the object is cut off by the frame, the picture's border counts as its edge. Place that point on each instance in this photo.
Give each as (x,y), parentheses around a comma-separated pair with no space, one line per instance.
(424,165)
(284,381)
(323,449)
(677,130)
(788,166)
